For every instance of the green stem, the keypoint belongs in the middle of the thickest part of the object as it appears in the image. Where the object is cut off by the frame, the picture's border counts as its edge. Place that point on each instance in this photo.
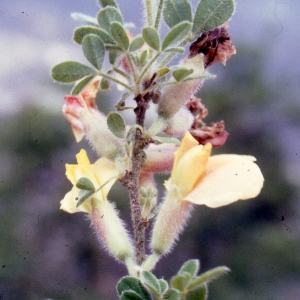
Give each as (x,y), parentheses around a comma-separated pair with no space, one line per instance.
(156,127)
(131,66)
(149,11)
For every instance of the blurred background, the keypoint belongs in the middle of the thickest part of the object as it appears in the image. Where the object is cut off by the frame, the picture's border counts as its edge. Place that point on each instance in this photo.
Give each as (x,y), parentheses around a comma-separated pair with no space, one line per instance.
(47,253)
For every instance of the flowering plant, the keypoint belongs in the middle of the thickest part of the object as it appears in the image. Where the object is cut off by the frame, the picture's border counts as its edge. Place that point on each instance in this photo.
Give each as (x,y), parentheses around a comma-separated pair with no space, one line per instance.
(178,142)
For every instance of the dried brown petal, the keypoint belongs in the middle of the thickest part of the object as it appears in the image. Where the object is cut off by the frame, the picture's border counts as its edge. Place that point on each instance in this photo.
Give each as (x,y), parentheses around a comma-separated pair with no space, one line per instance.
(215,45)
(216,134)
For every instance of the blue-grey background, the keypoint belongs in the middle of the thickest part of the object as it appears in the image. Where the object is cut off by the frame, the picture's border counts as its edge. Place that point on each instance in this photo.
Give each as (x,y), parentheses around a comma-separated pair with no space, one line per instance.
(46,253)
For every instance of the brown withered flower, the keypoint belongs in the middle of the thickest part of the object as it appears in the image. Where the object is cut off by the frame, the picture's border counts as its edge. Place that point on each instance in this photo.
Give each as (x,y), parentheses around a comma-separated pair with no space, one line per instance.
(214,134)
(215,44)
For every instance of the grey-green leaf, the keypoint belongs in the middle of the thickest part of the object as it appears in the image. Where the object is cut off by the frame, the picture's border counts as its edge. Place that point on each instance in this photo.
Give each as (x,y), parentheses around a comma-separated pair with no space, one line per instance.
(175,50)
(176,11)
(208,276)
(171,294)
(211,14)
(129,284)
(180,282)
(151,37)
(94,50)
(70,71)
(143,57)
(112,57)
(200,293)
(167,140)
(105,3)
(84,18)
(83,31)
(191,266)
(119,34)
(108,15)
(130,295)
(162,72)
(116,124)
(81,84)
(182,73)
(177,33)
(84,183)
(151,282)
(104,84)
(163,286)
(84,196)
(136,44)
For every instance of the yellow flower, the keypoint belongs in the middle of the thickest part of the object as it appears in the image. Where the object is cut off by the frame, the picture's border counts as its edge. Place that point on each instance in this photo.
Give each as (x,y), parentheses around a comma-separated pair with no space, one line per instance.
(99,172)
(214,181)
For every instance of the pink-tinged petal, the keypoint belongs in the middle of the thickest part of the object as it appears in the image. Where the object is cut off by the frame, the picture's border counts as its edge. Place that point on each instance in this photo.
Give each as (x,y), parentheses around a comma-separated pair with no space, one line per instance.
(227,178)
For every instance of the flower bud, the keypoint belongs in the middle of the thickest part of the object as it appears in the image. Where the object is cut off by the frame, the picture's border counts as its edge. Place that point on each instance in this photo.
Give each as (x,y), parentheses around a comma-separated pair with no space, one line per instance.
(175,96)
(180,123)
(111,231)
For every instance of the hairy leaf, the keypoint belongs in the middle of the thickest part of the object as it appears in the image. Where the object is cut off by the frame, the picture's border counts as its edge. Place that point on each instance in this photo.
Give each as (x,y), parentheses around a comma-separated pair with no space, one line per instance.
(176,11)
(94,50)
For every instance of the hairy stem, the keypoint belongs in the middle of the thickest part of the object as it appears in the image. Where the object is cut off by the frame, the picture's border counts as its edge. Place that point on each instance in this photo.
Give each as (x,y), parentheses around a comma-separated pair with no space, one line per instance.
(158,14)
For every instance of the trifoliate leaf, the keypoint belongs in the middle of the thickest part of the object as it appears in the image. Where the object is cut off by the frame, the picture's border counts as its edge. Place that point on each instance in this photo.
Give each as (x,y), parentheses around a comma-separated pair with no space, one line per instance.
(108,15)
(116,124)
(151,37)
(177,33)
(182,73)
(129,283)
(70,71)
(83,31)
(84,183)
(191,266)
(176,11)
(105,3)
(119,34)
(94,50)
(211,14)
(136,44)
(81,84)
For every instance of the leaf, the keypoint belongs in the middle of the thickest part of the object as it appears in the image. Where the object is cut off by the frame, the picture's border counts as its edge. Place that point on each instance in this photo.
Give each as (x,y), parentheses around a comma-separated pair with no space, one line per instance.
(83,196)
(119,34)
(70,71)
(191,266)
(162,72)
(151,37)
(197,294)
(104,84)
(81,84)
(182,73)
(84,183)
(94,50)
(208,276)
(151,282)
(172,294)
(143,57)
(136,44)
(116,125)
(211,14)
(108,15)
(180,282)
(84,18)
(175,50)
(130,295)
(129,283)
(176,11)
(83,31)
(112,57)
(177,33)
(163,286)
(105,3)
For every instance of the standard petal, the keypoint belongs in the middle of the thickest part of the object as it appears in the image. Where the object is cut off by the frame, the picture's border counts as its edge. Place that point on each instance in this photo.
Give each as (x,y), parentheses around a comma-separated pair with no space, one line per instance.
(227,178)
(82,158)
(104,170)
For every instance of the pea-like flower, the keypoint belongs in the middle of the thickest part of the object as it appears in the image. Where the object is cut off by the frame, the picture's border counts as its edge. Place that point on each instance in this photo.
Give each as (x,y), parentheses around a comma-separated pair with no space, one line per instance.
(98,173)
(200,178)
